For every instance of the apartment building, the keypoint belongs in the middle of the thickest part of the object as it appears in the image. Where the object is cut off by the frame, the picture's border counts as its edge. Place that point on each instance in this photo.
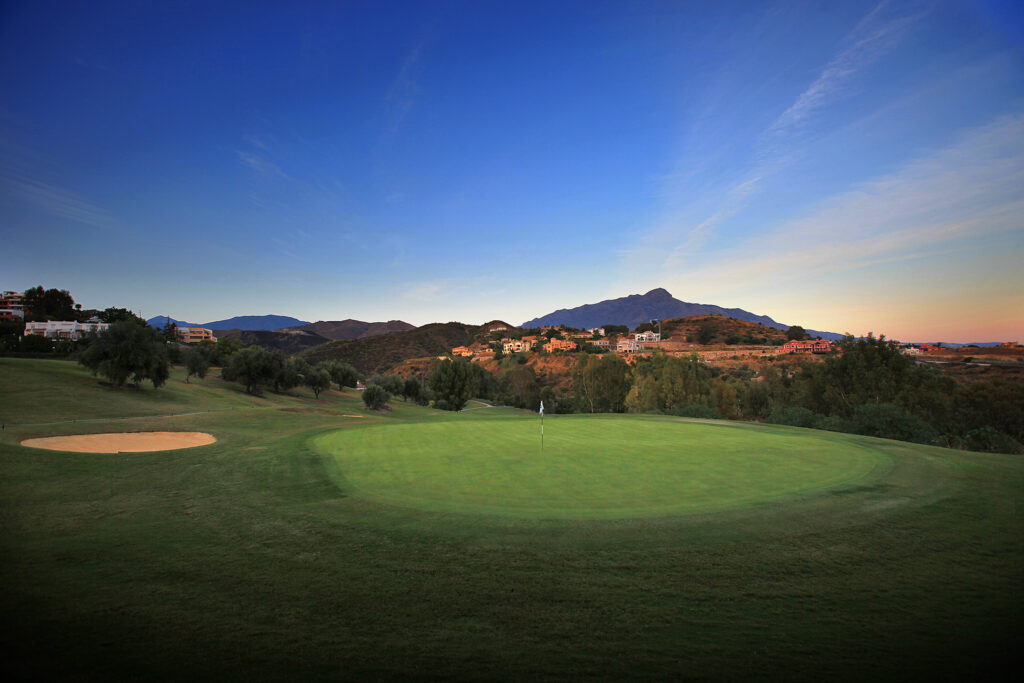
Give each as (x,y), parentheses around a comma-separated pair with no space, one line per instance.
(194,335)
(64,329)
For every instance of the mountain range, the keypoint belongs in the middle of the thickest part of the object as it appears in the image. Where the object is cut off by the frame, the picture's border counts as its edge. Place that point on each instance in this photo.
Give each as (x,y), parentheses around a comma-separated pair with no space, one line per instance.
(353,329)
(656,304)
(239,322)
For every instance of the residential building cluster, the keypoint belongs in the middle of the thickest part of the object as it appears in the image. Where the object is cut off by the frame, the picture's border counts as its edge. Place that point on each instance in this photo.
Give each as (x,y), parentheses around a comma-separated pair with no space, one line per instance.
(811,345)
(65,329)
(12,306)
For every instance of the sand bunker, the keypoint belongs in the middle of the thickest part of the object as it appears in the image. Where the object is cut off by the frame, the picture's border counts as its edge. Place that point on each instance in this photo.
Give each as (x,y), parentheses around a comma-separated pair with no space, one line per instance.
(126,442)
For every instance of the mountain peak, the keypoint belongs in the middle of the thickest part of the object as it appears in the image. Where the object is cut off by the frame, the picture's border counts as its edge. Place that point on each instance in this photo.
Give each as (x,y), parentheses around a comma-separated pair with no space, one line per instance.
(635,309)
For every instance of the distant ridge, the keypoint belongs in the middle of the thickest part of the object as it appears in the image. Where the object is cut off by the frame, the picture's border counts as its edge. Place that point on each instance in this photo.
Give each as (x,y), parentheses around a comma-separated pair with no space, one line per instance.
(241,322)
(255,322)
(353,329)
(161,321)
(658,304)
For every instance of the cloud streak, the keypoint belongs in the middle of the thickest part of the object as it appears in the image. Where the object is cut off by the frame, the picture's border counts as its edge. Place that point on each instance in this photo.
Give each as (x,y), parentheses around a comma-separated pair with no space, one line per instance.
(872,38)
(57,201)
(967,191)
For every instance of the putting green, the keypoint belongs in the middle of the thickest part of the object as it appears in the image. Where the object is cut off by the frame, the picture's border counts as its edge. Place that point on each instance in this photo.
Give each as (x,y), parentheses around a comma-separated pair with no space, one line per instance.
(591,467)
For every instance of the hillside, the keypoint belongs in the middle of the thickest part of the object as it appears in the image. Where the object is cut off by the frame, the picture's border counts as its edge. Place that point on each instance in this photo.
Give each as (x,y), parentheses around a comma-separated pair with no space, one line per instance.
(720,328)
(353,329)
(290,341)
(380,353)
(637,309)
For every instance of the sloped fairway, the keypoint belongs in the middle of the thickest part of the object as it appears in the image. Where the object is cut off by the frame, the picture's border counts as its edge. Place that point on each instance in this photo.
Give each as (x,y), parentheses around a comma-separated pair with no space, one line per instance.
(591,466)
(836,558)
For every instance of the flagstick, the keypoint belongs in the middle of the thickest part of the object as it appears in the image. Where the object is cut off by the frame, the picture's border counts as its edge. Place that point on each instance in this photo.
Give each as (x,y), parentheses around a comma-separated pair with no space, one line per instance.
(542,432)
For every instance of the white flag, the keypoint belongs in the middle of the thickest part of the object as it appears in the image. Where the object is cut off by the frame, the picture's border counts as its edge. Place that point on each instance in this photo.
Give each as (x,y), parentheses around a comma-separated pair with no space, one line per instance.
(542,407)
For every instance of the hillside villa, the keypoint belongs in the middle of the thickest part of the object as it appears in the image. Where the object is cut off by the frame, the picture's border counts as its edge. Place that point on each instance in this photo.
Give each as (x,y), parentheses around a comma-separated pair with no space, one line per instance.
(560,345)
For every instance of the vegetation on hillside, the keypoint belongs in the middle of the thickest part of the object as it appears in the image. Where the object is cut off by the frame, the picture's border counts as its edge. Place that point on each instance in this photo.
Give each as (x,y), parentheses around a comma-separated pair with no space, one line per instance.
(381,353)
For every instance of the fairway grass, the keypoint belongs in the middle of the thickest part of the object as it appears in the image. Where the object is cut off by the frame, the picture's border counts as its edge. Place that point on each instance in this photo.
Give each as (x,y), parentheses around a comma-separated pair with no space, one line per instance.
(317,540)
(591,467)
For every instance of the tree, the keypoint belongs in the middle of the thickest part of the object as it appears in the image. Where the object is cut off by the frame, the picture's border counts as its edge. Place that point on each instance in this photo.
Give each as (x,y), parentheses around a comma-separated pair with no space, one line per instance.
(128,351)
(197,362)
(411,389)
(342,374)
(601,384)
(286,374)
(452,382)
(521,388)
(375,397)
(317,378)
(170,331)
(224,349)
(796,333)
(49,304)
(251,367)
(116,315)
(705,333)
(390,383)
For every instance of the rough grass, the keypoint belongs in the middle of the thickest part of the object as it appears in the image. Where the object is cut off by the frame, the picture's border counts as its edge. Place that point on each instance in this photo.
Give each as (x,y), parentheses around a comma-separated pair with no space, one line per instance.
(245,559)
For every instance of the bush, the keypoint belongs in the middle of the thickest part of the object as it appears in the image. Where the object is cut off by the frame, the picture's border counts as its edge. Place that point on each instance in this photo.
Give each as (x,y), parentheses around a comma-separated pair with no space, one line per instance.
(889,421)
(794,417)
(695,410)
(833,423)
(990,440)
(375,396)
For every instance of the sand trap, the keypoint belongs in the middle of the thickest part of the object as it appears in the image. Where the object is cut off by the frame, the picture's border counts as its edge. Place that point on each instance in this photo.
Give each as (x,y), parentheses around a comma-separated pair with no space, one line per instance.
(128,442)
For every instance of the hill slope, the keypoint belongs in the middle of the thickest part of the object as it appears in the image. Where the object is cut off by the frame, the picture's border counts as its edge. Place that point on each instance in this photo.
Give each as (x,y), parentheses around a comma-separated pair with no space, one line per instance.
(353,329)
(289,340)
(376,354)
(635,309)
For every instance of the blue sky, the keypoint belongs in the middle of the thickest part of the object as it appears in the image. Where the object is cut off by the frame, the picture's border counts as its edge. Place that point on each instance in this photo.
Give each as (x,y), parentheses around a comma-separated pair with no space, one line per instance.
(847,166)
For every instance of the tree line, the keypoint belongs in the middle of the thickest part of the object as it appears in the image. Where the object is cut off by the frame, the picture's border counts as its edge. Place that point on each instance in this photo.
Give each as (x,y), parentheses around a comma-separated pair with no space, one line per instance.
(868,387)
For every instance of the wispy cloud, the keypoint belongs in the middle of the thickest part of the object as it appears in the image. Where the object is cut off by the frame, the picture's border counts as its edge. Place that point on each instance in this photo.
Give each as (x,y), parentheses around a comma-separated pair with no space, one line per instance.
(424,291)
(966,191)
(259,163)
(686,227)
(404,89)
(875,35)
(56,200)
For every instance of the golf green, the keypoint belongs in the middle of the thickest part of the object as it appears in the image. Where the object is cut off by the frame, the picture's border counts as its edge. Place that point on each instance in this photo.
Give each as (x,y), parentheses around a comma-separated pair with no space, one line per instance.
(591,466)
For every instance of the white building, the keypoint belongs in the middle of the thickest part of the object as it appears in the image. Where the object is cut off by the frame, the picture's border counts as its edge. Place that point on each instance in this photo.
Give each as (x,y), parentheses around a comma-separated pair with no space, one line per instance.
(648,336)
(64,329)
(515,345)
(629,346)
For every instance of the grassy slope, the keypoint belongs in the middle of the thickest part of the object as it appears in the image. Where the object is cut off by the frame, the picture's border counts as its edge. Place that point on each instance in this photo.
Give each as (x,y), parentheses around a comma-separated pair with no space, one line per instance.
(244,559)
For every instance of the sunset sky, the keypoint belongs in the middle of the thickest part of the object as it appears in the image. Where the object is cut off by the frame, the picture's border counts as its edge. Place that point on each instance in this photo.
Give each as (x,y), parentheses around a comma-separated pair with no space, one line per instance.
(846,166)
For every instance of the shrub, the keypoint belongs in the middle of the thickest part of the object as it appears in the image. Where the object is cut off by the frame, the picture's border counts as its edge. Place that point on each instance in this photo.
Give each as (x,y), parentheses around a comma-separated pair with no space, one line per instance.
(990,440)
(833,423)
(889,421)
(696,410)
(375,396)
(793,416)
